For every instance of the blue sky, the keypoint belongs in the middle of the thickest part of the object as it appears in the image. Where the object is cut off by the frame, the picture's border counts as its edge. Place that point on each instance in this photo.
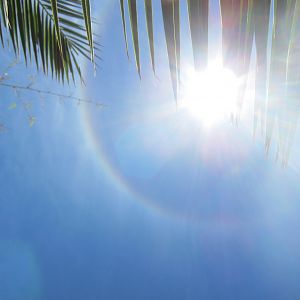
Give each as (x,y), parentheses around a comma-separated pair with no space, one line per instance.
(138,200)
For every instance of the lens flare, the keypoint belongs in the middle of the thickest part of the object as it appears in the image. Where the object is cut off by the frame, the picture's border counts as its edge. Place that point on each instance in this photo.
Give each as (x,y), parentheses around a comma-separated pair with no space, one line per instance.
(211,95)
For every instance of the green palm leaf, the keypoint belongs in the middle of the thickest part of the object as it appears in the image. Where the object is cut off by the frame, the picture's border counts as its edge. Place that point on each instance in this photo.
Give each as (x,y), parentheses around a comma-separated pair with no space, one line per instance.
(52,32)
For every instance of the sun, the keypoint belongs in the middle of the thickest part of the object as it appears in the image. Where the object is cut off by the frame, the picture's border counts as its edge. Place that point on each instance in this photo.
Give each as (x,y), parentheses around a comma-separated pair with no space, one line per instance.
(210,96)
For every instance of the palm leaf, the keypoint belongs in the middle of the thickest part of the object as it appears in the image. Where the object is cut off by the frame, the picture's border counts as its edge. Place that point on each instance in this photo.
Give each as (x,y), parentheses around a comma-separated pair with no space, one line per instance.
(149,20)
(244,22)
(52,32)
(198,19)
(135,34)
(88,25)
(291,110)
(261,17)
(170,10)
(279,56)
(230,24)
(124,25)
(237,37)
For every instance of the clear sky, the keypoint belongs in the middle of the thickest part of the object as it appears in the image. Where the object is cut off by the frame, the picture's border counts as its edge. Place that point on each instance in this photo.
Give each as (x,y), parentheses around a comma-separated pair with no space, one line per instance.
(140,200)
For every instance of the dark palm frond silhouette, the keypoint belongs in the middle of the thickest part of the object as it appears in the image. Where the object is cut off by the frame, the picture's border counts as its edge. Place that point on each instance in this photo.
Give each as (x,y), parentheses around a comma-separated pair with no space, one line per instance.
(53,33)
(244,23)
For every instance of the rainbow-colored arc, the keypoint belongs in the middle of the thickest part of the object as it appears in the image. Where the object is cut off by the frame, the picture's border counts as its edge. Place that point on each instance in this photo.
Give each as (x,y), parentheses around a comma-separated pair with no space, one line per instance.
(119,181)
(94,139)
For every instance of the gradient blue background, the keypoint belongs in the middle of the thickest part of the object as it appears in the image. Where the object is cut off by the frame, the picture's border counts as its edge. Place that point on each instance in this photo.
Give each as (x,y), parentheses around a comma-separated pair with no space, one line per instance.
(138,201)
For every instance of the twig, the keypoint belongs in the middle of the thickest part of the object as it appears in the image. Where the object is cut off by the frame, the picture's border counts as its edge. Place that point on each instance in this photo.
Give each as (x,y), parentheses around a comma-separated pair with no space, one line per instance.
(39,91)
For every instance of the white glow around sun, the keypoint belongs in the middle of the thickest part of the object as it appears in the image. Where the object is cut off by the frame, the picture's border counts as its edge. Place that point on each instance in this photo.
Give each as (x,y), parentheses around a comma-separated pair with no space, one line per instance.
(210,96)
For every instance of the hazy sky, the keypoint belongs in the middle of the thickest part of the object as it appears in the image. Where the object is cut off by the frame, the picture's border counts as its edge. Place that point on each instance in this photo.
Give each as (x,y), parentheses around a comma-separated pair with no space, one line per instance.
(139,200)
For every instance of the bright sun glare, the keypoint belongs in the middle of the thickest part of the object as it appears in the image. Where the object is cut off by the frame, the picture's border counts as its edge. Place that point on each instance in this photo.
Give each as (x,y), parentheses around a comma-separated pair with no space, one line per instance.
(210,96)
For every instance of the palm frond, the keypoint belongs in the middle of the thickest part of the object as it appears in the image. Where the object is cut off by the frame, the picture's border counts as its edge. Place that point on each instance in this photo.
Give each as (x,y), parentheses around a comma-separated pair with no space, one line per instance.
(260,23)
(244,23)
(278,68)
(124,25)
(198,18)
(171,17)
(149,20)
(170,10)
(289,116)
(52,32)
(135,33)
